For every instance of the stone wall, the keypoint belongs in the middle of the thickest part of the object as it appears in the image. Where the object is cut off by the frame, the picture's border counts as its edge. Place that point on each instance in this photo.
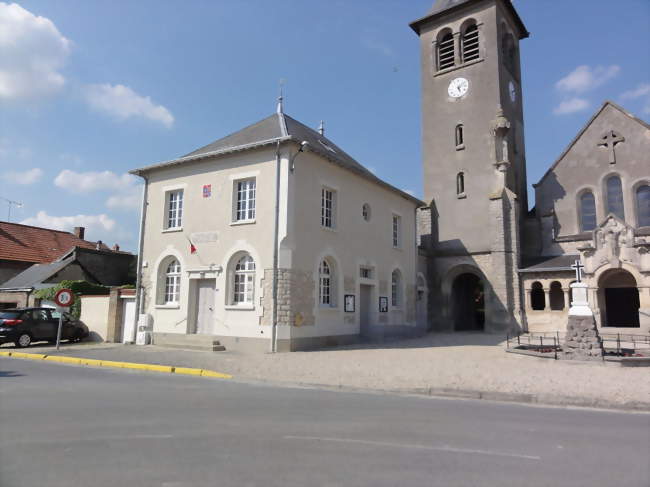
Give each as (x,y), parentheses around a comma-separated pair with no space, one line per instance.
(295,298)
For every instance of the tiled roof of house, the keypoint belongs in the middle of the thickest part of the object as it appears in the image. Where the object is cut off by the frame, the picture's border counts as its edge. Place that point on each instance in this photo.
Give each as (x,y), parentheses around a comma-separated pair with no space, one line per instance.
(25,243)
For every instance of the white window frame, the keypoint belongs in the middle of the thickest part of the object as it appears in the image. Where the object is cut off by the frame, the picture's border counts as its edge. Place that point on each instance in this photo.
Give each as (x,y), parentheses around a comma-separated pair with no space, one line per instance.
(328,204)
(396,289)
(243,281)
(172,289)
(326,284)
(244,200)
(396,226)
(174,209)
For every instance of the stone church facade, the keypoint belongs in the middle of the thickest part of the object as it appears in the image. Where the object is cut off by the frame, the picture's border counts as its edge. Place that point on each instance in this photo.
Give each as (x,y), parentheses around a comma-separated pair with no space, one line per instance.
(492,264)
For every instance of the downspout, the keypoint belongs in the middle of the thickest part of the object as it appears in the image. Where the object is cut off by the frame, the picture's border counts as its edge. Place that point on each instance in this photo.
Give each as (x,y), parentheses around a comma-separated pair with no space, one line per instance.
(139,301)
(276,231)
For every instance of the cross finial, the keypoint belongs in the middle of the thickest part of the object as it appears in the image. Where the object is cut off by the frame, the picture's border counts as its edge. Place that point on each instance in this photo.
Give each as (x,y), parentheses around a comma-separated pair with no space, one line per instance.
(609,140)
(321,128)
(577,265)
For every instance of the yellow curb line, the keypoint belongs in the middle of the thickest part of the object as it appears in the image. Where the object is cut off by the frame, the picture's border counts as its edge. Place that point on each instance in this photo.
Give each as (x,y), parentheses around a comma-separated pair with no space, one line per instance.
(119,365)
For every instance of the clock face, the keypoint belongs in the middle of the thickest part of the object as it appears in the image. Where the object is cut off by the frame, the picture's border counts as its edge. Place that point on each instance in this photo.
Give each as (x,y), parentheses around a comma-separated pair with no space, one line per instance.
(458,87)
(513,92)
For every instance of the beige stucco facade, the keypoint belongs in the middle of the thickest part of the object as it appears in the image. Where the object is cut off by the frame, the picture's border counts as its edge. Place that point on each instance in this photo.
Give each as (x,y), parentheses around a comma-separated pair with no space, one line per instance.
(208,223)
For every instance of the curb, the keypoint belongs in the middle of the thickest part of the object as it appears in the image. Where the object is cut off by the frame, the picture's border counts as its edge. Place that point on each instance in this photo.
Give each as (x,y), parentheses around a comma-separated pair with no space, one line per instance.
(118,365)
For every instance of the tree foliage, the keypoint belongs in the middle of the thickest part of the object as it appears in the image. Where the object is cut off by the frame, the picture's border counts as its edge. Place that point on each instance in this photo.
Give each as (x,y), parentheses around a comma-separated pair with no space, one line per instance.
(79,288)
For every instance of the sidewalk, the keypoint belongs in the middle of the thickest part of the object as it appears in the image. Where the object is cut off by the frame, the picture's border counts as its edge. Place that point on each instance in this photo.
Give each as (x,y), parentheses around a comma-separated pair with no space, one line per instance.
(459,365)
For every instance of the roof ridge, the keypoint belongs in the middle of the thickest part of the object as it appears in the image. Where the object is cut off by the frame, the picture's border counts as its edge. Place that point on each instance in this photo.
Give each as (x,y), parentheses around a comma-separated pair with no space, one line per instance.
(40,228)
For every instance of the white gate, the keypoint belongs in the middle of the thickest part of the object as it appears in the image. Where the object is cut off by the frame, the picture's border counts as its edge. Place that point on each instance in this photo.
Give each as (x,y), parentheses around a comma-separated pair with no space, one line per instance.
(128,319)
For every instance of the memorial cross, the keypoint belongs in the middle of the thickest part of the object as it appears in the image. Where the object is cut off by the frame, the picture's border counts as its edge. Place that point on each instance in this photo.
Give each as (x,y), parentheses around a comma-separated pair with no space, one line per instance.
(578,268)
(610,139)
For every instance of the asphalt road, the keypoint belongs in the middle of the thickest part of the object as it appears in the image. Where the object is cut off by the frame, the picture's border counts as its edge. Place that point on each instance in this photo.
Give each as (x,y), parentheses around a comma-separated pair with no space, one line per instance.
(71,426)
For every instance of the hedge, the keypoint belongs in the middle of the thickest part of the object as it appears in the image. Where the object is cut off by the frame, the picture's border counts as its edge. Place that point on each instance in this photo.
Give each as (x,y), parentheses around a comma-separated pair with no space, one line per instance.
(78,288)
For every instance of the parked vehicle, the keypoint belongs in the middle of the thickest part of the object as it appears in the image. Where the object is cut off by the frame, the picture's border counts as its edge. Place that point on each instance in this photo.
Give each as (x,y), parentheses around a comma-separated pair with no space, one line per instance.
(23,326)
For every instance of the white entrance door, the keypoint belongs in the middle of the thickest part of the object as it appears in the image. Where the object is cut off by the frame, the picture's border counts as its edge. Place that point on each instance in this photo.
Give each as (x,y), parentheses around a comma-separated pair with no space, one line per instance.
(205,306)
(128,319)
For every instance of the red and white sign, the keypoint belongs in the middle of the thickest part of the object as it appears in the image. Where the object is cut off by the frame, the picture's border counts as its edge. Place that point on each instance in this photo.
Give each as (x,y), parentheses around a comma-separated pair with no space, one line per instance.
(64,298)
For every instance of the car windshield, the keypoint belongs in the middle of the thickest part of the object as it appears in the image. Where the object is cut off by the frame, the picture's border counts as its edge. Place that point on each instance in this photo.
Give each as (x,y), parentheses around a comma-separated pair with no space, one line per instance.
(9,315)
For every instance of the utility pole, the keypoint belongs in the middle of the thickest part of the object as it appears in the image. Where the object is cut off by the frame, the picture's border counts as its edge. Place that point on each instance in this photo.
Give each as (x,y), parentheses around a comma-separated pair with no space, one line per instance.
(17,204)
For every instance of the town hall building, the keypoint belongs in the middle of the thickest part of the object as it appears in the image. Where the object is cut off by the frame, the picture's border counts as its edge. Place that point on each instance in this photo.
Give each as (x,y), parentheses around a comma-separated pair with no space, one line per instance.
(275,238)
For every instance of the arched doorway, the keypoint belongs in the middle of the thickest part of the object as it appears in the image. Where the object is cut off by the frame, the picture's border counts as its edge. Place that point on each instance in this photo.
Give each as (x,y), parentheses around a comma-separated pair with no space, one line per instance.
(618,296)
(468,301)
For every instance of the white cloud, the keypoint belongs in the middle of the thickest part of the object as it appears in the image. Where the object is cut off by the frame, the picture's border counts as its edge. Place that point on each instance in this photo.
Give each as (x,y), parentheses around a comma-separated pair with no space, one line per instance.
(571,105)
(30,176)
(130,200)
(85,182)
(585,78)
(641,91)
(122,103)
(93,223)
(32,51)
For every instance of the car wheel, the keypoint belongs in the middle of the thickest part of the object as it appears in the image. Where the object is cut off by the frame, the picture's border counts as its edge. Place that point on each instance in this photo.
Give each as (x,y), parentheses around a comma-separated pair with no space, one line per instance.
(24,340)
(78,335)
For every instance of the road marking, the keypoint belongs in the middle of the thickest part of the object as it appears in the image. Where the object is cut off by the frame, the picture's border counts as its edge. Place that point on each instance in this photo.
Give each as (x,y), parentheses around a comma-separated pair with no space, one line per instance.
(444,448)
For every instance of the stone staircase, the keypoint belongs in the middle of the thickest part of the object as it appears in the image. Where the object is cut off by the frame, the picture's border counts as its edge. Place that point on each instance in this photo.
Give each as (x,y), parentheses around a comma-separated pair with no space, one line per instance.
(188,342)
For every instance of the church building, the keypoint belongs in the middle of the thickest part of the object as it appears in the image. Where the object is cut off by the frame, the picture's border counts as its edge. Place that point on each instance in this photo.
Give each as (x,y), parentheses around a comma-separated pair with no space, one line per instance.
(493,265)
(274,238)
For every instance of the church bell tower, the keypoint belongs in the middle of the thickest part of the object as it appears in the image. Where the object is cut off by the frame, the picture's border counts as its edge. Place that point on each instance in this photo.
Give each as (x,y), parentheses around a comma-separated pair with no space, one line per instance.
(473,151)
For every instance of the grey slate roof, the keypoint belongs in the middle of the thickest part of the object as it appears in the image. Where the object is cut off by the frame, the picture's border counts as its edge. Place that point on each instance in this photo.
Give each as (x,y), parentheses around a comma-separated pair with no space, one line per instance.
(283,128)
(36,274)
(549,263)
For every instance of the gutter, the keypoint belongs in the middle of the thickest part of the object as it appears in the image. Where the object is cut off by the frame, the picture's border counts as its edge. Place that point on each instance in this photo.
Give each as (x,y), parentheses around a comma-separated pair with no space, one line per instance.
(138,282)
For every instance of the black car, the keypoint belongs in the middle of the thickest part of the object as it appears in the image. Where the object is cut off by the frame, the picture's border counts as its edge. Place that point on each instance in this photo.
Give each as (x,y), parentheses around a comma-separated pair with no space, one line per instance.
(26,325)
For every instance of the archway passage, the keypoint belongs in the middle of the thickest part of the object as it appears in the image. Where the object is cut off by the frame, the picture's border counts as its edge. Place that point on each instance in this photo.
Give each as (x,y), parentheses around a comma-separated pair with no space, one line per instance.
(619,299)
(468,300)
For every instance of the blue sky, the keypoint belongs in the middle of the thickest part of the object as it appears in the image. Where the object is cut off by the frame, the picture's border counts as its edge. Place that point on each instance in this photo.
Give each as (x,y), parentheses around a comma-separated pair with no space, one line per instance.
(91,89)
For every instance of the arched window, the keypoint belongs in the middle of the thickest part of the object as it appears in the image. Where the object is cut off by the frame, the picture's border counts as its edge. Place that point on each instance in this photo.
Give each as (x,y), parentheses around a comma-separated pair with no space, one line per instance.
(172,282)
(470,43)
(556,296)
(445,51)
(243,281)
(508,51)
(537,298)
(587,212)
(614,190)
(643,205)
(326,284)
(460,184)
(460,136)
(396,289)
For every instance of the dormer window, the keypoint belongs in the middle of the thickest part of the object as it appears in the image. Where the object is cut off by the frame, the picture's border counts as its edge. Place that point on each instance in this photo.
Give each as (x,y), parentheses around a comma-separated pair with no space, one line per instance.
(470,42)
(445,51)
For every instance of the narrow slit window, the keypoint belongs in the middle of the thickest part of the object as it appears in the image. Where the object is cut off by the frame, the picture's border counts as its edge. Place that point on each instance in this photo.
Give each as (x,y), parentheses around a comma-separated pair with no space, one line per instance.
(470,43)
(446,51)
(460,184)
(460,136)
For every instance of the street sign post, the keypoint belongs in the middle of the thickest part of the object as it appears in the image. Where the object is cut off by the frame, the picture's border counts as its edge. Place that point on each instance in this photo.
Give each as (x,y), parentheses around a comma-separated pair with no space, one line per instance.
(64,298)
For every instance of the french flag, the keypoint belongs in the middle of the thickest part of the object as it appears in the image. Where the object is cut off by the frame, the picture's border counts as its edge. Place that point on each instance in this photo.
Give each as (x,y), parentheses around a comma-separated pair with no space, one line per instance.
(192,247)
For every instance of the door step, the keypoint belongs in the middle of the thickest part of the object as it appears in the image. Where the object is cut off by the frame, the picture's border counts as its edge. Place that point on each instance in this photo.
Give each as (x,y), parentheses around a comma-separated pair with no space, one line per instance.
(188,342)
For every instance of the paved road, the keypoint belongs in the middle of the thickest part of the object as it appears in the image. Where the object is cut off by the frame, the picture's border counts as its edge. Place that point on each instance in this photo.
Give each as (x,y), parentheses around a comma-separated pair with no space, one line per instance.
(74,426)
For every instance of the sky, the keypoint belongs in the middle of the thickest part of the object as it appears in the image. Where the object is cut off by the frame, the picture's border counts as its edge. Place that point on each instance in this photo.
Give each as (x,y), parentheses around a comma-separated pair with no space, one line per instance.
(90,89)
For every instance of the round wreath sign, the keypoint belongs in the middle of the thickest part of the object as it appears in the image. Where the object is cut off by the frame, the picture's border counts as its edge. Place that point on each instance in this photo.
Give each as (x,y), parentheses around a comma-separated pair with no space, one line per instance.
(64,298)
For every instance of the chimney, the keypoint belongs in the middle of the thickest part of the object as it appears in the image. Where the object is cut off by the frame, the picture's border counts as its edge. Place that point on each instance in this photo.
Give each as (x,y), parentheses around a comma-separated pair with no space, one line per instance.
(116,248)
(79,232)
(321,128)
(99,245)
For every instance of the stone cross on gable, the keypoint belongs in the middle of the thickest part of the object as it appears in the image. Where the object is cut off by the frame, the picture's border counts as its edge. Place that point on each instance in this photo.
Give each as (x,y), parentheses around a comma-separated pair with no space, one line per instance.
(578,268)
(609,140)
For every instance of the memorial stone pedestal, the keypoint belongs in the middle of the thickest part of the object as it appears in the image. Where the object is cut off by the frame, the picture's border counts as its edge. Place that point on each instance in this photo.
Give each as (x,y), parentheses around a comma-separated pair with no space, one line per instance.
(582,341)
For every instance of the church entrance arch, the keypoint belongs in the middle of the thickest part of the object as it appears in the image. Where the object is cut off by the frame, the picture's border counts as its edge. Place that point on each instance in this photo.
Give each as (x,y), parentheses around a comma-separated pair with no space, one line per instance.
(618,297)
(468,303)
